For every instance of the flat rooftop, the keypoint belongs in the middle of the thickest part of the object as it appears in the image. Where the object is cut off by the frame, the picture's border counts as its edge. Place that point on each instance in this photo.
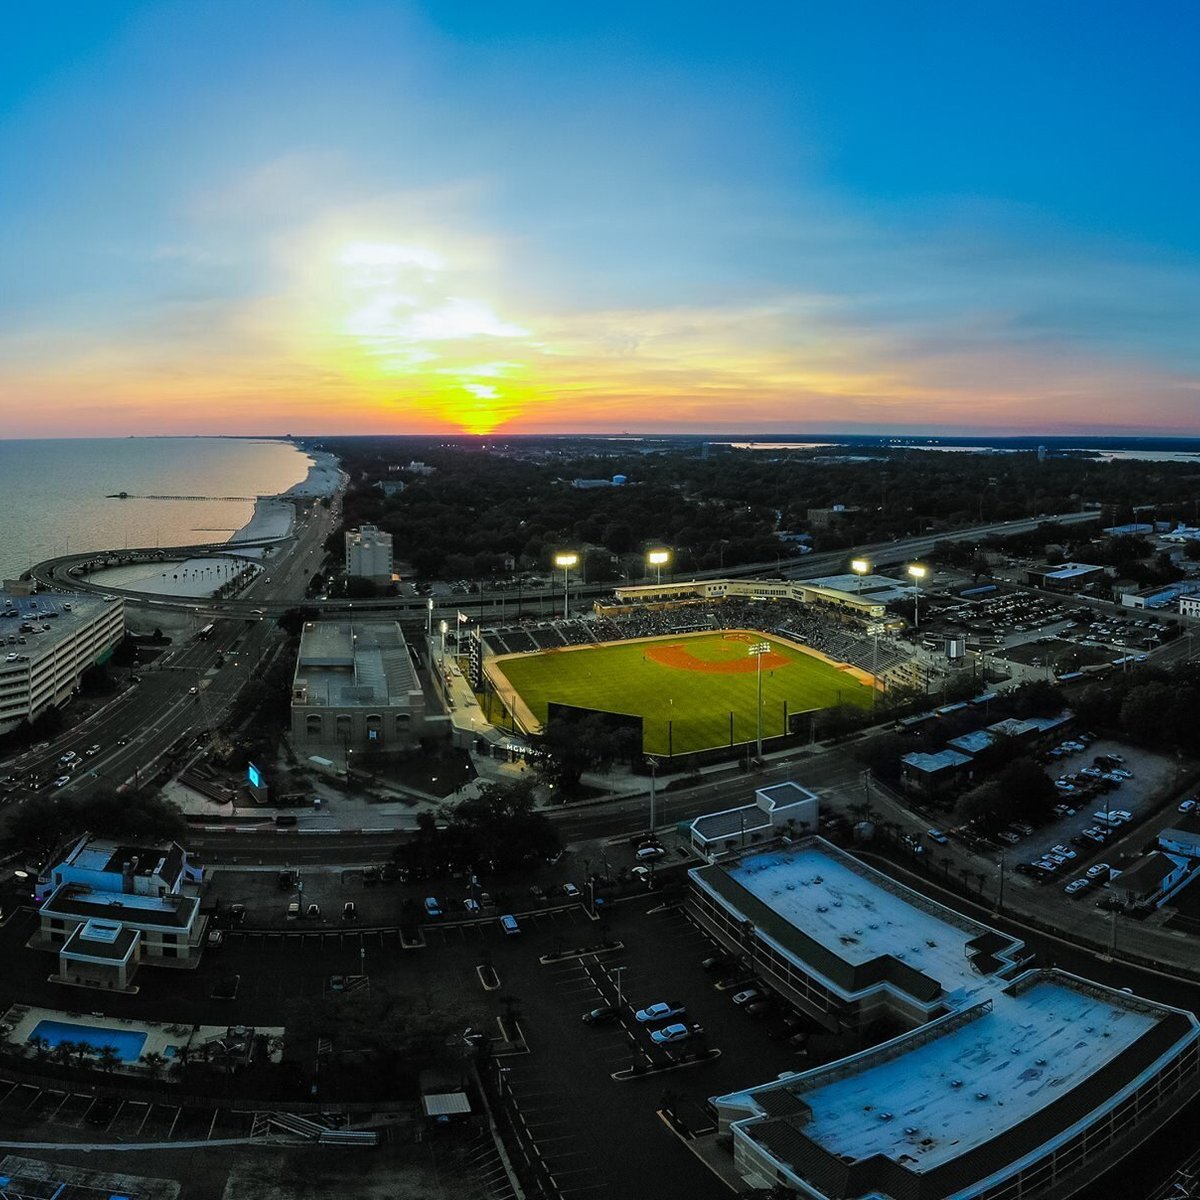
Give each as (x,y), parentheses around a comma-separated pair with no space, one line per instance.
(345,664)
(949,1105)
(857,928)
(107,856)
(953,1093)
(72,900)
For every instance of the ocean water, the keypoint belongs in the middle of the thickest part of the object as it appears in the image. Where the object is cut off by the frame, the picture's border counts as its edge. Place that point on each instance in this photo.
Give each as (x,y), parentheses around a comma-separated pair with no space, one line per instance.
(54,492)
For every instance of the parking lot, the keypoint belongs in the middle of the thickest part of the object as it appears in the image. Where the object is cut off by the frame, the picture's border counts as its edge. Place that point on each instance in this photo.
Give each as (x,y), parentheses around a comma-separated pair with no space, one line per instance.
(75,1114)
(1152,773)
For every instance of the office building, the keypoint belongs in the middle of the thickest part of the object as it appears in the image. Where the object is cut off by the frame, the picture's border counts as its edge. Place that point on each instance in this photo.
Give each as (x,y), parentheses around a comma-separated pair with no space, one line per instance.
(1006,1082)
(369,554)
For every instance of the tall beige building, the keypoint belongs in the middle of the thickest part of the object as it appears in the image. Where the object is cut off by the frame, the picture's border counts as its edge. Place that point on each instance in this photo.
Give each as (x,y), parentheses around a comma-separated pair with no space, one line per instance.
(369,553)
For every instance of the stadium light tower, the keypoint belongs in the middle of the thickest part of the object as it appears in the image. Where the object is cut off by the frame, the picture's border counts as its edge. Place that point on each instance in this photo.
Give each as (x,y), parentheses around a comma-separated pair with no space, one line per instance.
(861,567)
(443,627)
(917,572)
(758,650)
(566,559)
(659,559)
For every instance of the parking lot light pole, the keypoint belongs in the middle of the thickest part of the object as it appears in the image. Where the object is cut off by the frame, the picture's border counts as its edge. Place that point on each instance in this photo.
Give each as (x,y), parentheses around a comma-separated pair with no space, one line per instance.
(618,971)
(758,650)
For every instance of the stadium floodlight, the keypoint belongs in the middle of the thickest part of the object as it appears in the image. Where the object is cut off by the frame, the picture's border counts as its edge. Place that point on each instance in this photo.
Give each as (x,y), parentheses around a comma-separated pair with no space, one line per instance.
(861,567)
(443,627)
(917,573)
(757,650)
(566,559)
(659,559)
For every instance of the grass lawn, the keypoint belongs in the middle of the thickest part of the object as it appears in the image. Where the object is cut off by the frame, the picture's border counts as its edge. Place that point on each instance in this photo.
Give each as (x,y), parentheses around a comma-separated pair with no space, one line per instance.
(686,686)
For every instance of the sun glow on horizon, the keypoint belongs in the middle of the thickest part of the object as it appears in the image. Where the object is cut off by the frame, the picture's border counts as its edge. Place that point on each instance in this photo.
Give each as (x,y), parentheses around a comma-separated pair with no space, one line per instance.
(413,328)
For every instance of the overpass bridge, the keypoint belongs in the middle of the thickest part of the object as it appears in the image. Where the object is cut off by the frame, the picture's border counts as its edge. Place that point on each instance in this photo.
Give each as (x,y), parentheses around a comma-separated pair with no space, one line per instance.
(56,574)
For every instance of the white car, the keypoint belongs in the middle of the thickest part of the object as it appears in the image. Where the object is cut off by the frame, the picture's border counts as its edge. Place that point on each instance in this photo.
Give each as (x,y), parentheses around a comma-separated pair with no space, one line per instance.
(1187,806)
(662,1011)
(62,781)
(1076,885)
(1099,869)
(647,853)
(747,997)
(670,1033)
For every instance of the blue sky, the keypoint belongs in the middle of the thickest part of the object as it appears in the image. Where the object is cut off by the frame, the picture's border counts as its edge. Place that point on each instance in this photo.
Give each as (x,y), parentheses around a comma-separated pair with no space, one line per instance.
(777,217)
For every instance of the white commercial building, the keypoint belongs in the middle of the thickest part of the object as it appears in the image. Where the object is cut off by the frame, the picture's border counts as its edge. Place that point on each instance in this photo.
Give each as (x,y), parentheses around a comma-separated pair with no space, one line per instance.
(105,907)
(369,554)
(1007,1083)
(48,641)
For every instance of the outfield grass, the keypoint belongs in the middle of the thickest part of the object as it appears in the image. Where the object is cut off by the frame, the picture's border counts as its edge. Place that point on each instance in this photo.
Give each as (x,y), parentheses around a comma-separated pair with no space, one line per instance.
(688,707)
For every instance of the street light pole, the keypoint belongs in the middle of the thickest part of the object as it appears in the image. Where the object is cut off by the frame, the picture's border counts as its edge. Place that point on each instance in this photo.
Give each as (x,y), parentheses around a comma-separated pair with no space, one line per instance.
(653,791)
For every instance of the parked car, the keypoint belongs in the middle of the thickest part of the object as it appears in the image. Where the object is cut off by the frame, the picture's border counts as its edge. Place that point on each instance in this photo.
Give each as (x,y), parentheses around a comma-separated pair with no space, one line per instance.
(570,891)
(314,912)
(670,1033)
(716,964)
(471,906)
(936,835)
(432,907)
(747,997)
(649,853)
(1098,870)
(62,781)
(663,1010)
(349,911)
(1187,806)
(509,924)
(598,1016)
(1076,885)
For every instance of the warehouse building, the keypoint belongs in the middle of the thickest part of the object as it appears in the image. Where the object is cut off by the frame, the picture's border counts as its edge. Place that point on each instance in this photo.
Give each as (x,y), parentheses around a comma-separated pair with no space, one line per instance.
(1008,1083)
(355,688)
(48,641)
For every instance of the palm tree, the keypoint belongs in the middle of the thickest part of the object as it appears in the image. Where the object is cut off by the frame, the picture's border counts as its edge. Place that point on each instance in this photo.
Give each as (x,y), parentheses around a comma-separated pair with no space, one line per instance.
(64,1052)
(40,1047)
(83,1051)
(154,1063)
(109,1057)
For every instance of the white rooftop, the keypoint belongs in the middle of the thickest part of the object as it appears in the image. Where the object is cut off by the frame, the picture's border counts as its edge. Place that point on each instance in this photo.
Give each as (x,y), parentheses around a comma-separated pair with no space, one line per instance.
(858,920)
(1029,1051)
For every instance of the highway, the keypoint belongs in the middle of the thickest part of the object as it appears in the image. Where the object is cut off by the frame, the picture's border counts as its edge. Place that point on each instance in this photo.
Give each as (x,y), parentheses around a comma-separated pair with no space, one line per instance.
(138,728)
(489,605)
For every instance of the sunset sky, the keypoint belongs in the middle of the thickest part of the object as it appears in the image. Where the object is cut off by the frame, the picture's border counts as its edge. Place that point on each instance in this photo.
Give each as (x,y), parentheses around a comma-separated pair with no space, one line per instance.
(357,217)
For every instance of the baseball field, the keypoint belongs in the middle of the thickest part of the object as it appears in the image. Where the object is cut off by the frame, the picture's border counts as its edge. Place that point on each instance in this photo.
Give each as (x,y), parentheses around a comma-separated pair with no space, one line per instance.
(685,687)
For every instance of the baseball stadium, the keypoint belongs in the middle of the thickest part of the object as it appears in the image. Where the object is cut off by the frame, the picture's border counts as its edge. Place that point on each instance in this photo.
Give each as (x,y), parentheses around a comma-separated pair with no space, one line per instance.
(680,662)
(693,691)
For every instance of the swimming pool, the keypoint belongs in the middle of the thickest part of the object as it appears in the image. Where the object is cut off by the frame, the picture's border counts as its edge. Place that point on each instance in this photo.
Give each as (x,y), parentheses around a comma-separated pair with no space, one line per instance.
(128,1043)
